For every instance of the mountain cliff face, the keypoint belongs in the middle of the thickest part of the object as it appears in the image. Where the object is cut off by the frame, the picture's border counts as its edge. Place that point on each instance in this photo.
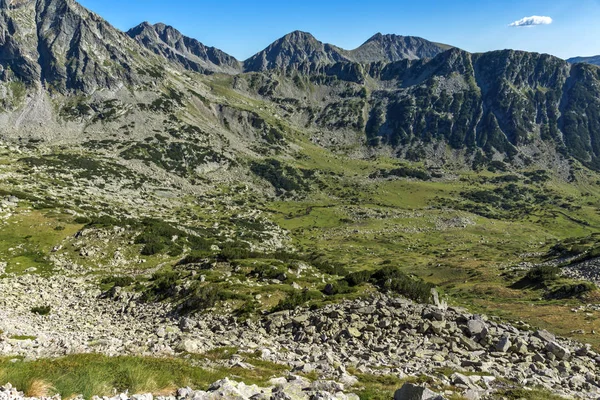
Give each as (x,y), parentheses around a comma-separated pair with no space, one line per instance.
(595,60)
(168,42)
(499,103)
(65,46)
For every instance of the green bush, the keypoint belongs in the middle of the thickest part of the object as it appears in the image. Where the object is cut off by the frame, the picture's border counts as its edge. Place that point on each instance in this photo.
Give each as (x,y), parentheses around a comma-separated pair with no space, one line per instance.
(202,297)
(339,287)
(543,274)
(357,278)
(196,257)
(296,299)
(269,272)
(390,278)
(162,285)
(152,248)
(41,310)
(569,291)
(283,178)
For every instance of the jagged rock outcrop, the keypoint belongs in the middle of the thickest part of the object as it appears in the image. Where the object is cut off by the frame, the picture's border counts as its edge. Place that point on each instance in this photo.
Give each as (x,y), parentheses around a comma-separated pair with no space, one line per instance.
(168,42)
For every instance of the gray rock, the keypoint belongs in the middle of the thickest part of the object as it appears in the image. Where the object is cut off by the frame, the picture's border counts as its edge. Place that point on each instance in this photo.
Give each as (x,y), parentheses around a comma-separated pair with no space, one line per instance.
(503,344)
(545,336)
(414,392)
(559,351)
(475,327)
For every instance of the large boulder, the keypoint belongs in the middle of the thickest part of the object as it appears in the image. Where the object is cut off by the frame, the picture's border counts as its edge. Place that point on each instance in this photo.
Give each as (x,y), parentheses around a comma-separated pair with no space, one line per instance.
(559,351)
(503,344)
(415,392)
(476,327)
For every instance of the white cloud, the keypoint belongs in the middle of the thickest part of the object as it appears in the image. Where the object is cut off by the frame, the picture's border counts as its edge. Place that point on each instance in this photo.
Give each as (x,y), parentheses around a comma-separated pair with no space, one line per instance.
(532,21)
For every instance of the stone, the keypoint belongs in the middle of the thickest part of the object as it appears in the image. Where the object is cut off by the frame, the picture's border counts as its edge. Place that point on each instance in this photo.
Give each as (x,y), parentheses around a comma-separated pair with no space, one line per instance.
(475,327)
(187,324)
(544,335)
(414,392)
(503,344)
(559,351)
(189,345)
(161,332)
(329,289)
(353,332)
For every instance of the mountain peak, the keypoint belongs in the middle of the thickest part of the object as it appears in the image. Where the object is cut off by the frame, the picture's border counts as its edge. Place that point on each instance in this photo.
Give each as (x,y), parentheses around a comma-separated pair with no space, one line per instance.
(292,50)
(168,42)
(380,37)
(299,36)
(391,48)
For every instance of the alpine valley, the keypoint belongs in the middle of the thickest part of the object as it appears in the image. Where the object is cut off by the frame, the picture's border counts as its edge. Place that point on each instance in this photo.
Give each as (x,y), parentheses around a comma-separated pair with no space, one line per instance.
(403,220)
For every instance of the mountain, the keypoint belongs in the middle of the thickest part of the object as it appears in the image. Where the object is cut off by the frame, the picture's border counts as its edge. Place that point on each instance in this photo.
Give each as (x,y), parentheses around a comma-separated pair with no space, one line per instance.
(390,48)
(291,51)
(65,46)
(302,49)
(595,60)
(168,42)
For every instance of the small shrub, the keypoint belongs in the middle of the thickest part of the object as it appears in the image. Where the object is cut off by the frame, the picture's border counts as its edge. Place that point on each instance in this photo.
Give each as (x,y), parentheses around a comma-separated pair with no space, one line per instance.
(357,278)
(152,248)
(163,285)
(41,310)
(569,291)
(196,257)
(82,220)
(296,299)
(390,278)
(202,298)
(543,274)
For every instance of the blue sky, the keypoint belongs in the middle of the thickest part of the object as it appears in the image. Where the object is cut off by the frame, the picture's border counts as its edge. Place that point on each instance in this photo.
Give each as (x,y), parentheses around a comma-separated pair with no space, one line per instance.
(243,28)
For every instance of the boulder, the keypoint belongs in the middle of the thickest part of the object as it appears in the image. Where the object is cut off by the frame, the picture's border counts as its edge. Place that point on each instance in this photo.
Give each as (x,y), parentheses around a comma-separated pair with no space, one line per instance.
(559,351)
(544,335)
(414,392)
(476,327)
(503,344)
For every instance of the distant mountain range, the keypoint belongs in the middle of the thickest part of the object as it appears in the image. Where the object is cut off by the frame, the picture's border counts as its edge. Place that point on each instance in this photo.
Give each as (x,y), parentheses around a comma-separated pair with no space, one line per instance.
(293,50)
(400,93)
(595,60)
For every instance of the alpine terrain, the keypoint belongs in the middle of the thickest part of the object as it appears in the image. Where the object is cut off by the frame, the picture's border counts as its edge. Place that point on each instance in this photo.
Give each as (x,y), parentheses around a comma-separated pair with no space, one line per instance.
(403,220)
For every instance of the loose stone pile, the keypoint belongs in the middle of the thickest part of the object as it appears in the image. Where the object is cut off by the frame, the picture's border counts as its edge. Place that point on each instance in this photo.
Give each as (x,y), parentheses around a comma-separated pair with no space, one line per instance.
(381,335)
(293,387)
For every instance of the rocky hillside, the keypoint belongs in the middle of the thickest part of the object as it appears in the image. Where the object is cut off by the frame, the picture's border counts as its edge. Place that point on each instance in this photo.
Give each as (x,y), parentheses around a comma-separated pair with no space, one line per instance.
(290,215)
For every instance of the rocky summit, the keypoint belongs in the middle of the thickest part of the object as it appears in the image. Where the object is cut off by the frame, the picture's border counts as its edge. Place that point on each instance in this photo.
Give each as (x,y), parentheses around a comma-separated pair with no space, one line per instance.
(403,220)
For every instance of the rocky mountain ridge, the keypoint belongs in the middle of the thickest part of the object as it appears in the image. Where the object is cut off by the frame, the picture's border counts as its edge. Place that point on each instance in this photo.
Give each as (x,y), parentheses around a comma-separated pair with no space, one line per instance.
(169,43)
